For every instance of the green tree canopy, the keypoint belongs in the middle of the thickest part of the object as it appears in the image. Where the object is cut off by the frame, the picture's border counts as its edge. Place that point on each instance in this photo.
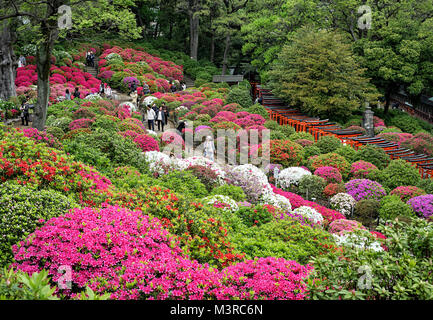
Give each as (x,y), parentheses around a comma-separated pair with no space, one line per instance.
(317,72)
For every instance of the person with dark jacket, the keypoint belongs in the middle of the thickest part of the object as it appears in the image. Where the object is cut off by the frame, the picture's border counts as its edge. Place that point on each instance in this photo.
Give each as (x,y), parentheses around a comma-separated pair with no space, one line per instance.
(166,113)
(173,87)
(76,93)
(160,119)
(25,114)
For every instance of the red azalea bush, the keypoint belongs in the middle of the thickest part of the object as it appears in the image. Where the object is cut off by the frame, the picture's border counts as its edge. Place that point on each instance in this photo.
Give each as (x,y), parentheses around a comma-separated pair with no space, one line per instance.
(333,188)
(330,174)
(284,152)
(27,162)
(407,192)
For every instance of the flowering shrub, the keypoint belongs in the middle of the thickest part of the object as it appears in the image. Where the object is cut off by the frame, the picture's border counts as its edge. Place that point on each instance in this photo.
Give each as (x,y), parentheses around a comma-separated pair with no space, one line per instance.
(358,239)
(146,143)
(420,143)
(422,205)
(276,200)
(269,279)
(361,189)
(42,137)
(330,160)
(360,169)
(330,174)
(284,152)
(333,188)
(291,176)
(342,226)
(310,213)
(80,124)
(407,192)
(343,203)
(221,202)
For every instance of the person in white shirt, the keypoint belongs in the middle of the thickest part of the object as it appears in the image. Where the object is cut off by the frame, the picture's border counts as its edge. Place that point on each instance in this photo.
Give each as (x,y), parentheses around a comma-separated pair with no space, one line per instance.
(151,118)
(108,92)
(209,148)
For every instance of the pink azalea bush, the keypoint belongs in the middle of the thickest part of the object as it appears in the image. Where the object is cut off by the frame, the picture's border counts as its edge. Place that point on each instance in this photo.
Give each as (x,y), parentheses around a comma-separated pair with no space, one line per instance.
(407,192)
(360,169)
(342,226)
(330,174)
(80,123)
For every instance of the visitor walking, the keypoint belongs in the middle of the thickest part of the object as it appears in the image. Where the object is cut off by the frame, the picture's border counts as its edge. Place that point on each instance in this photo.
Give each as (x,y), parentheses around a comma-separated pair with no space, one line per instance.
(166,113)
(209,148)
(173,87)
(151,118)
(146,89)
(21,61)
(102,88)
(183,86)
(76,93)
(67,95)
(25,113)
(108,92)
(160,118)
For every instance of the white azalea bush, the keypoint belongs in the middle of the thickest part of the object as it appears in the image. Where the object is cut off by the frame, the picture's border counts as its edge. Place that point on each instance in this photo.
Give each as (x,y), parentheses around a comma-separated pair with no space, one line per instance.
(291,176)
(248,170)
(276,200)
(360,239)
(159,163)
(343,202)
(93,96)
(310,213)
(183,164)
(222,202)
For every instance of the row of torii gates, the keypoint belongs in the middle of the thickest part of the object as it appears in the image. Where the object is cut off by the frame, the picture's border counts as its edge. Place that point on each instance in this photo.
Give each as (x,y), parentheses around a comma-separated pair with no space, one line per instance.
(285,115)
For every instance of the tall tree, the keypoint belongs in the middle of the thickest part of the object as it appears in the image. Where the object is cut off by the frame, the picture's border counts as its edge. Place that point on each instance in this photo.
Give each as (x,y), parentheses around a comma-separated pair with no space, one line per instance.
(228,23)
(7,61)
(195,9)
(317,72)
(45,19)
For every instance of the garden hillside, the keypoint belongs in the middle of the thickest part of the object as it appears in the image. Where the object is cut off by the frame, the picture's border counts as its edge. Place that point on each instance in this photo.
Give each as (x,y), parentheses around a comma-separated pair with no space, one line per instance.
(96,192)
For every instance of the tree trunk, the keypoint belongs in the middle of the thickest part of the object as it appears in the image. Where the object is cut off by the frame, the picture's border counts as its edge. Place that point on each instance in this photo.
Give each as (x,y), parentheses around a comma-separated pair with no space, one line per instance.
(7,63)
(194,23)
(43,65)
(212,48)
(226,54)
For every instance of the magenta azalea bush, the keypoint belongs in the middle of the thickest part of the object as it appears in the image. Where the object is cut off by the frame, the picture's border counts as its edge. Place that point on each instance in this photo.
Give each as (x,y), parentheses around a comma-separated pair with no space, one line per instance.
(131,256)
(422,205)
(363,189)
(146,143)
(330,174)
(42,137)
